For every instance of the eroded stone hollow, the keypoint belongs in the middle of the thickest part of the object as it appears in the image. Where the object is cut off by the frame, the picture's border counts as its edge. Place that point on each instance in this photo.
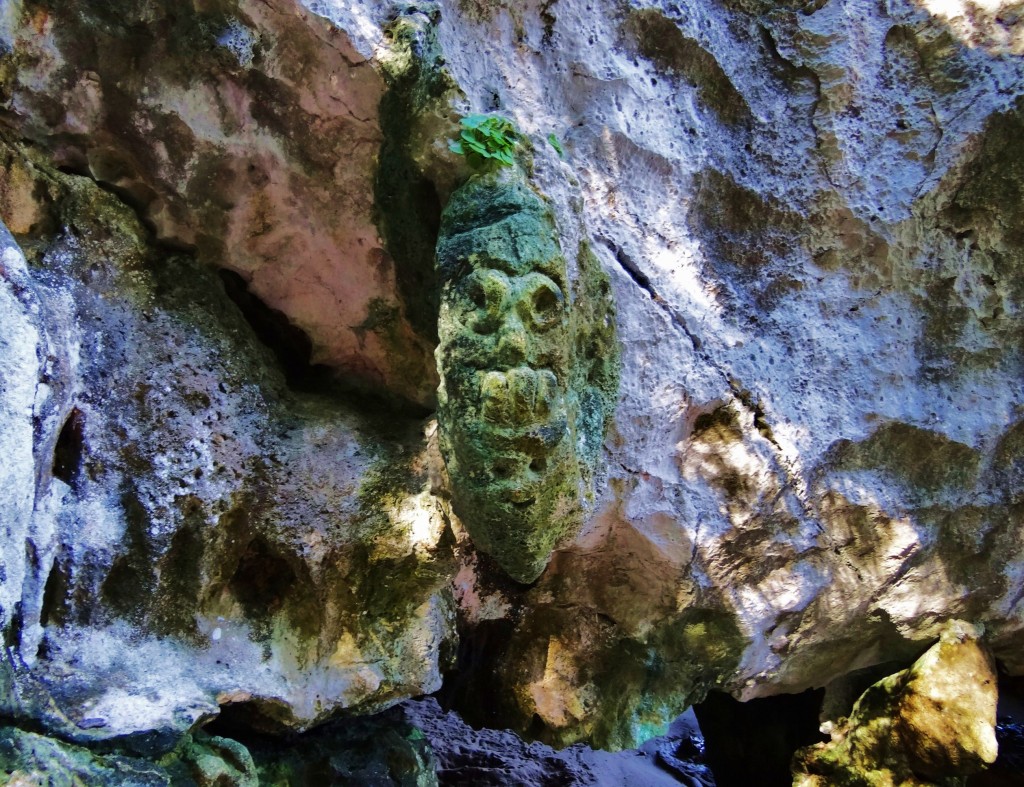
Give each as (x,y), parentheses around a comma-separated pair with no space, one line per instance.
(521,414)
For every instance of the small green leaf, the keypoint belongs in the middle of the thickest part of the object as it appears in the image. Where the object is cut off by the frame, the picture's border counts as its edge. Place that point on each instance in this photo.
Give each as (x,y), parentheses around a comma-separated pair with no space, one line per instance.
(485,138)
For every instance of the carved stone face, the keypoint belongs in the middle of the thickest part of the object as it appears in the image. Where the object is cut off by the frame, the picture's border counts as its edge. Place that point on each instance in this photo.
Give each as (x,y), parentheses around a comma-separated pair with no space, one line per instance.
(508,367)
(507,411)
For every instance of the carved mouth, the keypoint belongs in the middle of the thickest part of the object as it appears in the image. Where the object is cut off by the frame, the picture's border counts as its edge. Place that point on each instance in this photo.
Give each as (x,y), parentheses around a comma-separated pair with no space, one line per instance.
(520,396)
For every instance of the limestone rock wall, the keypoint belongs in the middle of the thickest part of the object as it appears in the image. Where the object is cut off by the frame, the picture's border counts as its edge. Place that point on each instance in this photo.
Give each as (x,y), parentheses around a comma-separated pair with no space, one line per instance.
(810,217)
(185,533)
(246,135)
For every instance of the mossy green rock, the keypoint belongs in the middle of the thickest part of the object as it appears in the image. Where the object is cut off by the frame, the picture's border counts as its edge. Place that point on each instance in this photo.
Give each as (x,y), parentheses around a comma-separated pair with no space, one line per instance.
(933,723)
(527,376)
(28,759)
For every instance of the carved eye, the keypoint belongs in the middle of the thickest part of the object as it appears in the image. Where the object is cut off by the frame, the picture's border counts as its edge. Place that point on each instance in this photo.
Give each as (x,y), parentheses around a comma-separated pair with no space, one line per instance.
(477,295)
(503,468)
(544,302)
(486,291)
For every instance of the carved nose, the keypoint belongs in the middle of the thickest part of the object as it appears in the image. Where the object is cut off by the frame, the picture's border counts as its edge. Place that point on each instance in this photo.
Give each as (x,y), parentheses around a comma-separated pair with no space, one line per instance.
(512,344)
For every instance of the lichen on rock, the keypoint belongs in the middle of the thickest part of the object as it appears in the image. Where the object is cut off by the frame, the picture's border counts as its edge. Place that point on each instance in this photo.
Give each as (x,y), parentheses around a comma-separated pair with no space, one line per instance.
(931,723)
(522,406)
(184,519)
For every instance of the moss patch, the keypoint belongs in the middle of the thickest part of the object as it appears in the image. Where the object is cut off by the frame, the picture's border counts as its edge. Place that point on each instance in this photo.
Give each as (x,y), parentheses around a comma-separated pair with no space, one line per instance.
(746,228)
(598,356)
(976,544)
(198,761)
(926,461)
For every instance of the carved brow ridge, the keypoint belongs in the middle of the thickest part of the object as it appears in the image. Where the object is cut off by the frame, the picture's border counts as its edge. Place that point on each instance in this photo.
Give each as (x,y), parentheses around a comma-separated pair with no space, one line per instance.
(482,206)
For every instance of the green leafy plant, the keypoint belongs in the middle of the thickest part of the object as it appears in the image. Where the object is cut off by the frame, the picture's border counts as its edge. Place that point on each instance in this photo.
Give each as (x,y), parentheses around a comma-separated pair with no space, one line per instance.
(553,141)
(486,139)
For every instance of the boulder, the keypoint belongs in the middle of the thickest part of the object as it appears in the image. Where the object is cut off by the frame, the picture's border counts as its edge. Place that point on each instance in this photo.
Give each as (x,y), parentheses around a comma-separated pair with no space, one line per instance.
(933,723)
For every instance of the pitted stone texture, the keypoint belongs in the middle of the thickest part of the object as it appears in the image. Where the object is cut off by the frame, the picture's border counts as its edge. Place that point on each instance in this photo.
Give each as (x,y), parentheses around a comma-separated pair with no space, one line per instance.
(194,535)
(809,213)
(522,409)
(818,304)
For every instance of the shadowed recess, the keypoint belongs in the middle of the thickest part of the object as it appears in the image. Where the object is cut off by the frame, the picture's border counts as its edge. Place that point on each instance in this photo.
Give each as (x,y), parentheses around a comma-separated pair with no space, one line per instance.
(290,344)
(752,742)
(67,454)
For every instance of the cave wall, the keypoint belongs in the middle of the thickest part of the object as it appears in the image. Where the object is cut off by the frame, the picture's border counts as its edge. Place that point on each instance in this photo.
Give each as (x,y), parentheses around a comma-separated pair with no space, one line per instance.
(809,216)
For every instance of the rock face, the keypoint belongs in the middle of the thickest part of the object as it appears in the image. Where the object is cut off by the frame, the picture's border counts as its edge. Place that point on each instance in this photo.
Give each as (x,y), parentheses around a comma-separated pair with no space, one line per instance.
(246,134)
(808,218)
(30,760)
(192,535)
(933,723)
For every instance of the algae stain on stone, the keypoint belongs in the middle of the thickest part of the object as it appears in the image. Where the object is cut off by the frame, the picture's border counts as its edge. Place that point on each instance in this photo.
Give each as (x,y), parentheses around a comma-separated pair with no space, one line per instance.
(406,199)
(658,39)
(528,377)
(925,460)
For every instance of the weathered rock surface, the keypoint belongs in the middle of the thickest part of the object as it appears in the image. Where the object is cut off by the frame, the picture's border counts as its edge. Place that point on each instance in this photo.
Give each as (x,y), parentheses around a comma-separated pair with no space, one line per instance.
(31,760)
(185,532)
(931,724)
(810,216)
(496,758)
(813,259)
(246,133)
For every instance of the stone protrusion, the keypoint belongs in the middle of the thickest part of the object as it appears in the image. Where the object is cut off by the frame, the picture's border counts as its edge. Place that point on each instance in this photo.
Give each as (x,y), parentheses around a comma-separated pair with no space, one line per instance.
(516,399)
(934,722)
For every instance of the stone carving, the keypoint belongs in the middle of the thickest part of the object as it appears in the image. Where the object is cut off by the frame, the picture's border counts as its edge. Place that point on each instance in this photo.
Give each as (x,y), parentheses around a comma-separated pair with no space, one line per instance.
(528,372)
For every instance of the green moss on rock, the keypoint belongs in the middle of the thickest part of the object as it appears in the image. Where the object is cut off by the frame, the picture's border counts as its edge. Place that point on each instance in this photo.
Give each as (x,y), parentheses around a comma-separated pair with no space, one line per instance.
(378,750)
(528,378)
(930,724)
(1008,463)
(200,760)
(576,677)
(926,461)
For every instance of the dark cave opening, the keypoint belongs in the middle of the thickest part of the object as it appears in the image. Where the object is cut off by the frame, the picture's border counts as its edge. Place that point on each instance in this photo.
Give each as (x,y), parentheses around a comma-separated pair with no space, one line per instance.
(753,742)
(67,454)
(1008,769)
(290,345)
(253,723)
(471,688)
